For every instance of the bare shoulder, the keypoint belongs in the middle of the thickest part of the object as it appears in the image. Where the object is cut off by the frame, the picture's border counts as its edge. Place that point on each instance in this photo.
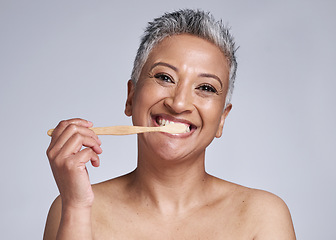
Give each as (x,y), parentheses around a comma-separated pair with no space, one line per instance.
(102,200)
(53,219)
(268,213)
(272,215)
(109,194)
(114,187)
(263,214)
(261,200)
(266,205)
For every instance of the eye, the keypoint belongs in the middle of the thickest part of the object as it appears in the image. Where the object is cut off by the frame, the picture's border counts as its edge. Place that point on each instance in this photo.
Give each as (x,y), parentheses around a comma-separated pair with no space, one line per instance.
(164,77)
(207,88)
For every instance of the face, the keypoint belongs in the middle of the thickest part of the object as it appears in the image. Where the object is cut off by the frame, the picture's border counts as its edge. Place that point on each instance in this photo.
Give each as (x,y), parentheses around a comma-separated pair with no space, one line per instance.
(185,79)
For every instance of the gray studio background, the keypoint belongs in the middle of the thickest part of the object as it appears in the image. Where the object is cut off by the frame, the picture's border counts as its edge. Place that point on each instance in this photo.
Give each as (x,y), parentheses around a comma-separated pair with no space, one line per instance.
(64,59)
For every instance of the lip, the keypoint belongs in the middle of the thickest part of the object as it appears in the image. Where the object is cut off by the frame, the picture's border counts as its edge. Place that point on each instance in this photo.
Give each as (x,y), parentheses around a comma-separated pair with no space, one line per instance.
(176,120)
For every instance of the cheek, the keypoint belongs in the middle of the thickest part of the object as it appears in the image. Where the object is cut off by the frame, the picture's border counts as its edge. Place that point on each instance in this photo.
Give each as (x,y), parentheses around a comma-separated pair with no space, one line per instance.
(145,98)
(150,93)
(211,112)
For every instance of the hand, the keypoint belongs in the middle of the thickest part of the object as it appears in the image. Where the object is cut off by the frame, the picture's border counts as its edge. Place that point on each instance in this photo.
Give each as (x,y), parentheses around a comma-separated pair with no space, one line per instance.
(67,160)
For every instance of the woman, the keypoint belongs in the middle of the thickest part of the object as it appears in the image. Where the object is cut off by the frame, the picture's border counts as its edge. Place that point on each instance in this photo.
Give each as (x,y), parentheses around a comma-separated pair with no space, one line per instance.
(183,72)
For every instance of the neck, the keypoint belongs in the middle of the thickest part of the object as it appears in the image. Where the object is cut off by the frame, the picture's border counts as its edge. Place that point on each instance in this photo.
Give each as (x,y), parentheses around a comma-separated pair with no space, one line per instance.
(171,187)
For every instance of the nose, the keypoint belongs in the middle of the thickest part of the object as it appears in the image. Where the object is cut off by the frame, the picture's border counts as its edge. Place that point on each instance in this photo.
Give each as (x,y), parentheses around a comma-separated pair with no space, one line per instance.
(180,99)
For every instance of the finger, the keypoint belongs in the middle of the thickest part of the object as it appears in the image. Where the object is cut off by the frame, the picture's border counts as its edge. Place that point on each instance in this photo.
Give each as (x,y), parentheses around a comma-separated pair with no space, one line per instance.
(65,123)
(87,155)
(62,125)
(76,142)
(70,130)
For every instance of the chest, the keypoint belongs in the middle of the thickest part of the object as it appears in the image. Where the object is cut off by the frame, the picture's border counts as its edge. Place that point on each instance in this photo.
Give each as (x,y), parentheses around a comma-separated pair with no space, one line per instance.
(212,224)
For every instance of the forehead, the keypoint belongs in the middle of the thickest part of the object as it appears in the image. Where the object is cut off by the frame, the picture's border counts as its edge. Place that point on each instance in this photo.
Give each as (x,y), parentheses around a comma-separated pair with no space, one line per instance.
(190,51)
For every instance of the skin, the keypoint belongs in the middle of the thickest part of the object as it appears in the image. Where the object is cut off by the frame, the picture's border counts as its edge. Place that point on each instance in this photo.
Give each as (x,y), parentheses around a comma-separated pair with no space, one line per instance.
(169,195)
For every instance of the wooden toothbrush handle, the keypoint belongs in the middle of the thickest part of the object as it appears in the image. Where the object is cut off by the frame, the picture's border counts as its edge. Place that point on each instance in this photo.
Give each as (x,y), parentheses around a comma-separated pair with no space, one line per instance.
(123,130)
(118,130)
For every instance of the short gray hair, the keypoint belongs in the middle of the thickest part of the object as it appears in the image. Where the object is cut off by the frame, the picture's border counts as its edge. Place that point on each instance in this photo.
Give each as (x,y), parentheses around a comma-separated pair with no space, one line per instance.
(195,22)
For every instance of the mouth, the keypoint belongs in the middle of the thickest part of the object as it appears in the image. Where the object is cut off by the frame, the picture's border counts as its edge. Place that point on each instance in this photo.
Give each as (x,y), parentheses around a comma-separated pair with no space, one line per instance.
(164,121)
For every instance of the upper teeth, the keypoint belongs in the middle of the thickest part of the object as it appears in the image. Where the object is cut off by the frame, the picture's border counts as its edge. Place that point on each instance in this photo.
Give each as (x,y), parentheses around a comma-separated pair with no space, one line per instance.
(164,122)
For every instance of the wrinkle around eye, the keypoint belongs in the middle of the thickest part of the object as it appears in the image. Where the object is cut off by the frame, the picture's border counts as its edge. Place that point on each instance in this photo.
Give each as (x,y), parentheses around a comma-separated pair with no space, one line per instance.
(164,77)
(208,89)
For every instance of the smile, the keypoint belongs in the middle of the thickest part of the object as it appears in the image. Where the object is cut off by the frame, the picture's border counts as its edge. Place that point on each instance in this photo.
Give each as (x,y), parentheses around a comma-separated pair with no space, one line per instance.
(164,122)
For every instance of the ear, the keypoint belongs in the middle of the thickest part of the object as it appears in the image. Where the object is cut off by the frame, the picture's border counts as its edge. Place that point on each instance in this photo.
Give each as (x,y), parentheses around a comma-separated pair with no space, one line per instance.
(129,100)
(222,120)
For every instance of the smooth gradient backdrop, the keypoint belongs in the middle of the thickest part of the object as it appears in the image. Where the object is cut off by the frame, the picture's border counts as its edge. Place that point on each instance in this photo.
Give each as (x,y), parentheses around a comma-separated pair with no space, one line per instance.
(64,59)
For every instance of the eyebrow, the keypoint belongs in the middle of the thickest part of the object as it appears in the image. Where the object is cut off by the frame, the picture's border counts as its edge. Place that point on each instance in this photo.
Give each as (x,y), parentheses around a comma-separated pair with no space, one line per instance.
(207,75)
(164,64)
